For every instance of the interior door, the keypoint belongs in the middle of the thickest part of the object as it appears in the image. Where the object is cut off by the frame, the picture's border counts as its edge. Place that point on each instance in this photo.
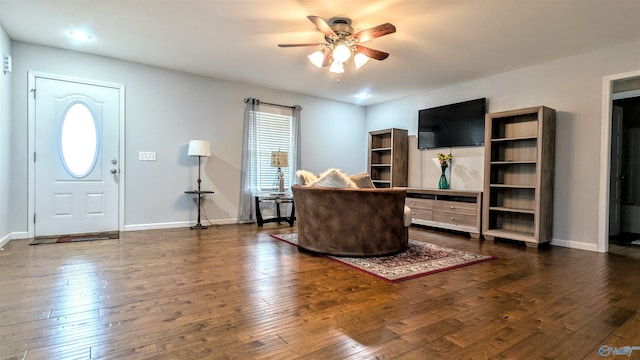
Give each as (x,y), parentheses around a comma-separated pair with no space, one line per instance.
(76,157)
(615,189)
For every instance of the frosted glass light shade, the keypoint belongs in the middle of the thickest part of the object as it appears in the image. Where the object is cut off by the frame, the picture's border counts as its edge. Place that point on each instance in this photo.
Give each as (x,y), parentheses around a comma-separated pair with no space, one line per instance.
(199,148)
(317,58)
(336,67)
(341,53)
(360,59)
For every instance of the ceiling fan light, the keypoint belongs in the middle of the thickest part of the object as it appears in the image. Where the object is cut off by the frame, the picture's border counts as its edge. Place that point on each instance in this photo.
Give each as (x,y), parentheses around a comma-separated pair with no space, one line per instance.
(317,58)
(336,67)
(341,53)
(360,59)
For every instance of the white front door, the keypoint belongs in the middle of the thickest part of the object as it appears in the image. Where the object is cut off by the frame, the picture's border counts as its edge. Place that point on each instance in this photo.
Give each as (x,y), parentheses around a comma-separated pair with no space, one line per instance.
(76,159)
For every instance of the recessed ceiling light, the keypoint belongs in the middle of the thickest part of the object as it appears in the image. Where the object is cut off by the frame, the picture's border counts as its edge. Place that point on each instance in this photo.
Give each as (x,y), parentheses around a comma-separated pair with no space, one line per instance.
(79,35)
(363,95)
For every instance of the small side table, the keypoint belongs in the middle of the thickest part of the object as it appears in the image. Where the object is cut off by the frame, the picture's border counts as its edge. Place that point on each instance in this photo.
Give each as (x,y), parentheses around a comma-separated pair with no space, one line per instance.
(277,199)
(200,194)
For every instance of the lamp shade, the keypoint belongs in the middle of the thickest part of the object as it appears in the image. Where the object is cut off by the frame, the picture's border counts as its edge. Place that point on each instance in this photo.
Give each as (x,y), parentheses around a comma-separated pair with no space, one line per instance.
(279,159)
(317,58)
(336,67)
(360,59)
(341,53)
(199,148)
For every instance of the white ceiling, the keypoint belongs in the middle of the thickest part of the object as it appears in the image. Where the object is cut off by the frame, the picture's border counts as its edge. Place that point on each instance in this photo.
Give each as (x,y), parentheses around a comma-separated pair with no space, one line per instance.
(437,43)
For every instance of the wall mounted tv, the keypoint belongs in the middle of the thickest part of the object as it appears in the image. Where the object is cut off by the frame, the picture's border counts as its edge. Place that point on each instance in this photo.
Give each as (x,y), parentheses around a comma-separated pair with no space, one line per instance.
(459,124)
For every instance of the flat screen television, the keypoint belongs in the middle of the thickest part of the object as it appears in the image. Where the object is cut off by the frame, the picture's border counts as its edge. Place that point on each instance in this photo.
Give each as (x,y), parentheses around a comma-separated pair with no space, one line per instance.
(459,124)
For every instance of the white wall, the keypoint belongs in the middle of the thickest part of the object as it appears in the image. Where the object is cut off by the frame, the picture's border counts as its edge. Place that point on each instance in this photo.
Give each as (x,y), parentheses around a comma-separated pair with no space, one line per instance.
(572,86)
(5,126)
(164,110)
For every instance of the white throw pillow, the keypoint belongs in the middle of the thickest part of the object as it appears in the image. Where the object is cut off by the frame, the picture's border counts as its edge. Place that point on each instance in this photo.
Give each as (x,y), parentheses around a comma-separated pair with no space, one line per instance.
(408,216)
(304,177)
(333,178)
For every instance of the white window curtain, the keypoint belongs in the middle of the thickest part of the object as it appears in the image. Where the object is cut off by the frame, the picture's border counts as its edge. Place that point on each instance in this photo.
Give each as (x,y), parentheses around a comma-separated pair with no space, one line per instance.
(267,128)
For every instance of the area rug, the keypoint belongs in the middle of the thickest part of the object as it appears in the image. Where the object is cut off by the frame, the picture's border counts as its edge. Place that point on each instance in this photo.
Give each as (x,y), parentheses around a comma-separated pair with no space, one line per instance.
(75,238)
(419,260)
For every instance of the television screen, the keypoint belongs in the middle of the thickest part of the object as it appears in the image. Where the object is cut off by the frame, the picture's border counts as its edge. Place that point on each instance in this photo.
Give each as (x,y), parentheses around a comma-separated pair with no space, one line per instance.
(459,124)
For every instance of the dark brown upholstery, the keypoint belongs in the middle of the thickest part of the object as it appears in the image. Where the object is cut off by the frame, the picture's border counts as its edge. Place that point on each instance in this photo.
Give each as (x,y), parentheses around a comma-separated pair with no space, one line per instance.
(350,222)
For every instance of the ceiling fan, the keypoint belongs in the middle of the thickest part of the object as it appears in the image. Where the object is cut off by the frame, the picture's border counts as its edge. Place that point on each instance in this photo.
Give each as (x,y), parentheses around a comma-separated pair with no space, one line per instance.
(341,43)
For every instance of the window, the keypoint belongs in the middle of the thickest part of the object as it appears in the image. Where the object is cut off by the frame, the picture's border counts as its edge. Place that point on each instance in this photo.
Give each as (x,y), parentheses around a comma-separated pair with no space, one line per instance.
(273,132)
(78,140)
(267,128)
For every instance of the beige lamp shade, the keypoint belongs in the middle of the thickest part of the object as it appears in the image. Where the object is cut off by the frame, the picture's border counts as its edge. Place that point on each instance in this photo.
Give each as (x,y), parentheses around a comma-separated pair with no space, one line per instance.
(279,159)
(199,148)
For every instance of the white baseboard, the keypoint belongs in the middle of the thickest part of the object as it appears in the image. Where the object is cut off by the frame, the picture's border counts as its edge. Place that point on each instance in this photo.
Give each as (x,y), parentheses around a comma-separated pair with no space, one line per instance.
(574,244)
(4,240)
(177,224)
(17,235)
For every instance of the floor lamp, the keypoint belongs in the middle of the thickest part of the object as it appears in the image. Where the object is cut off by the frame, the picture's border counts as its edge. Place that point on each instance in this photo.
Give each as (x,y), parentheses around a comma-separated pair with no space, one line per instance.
(199,148)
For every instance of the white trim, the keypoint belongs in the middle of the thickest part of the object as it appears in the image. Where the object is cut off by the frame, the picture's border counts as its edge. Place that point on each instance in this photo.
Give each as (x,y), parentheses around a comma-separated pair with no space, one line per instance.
(177,224)
(31,83)
(5,240)
(17,235)
(574,244)
(605,149)
(625,94)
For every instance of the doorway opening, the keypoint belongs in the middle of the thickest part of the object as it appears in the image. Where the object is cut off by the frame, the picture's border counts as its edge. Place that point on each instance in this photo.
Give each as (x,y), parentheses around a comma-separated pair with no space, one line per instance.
(624,218)
(619,218)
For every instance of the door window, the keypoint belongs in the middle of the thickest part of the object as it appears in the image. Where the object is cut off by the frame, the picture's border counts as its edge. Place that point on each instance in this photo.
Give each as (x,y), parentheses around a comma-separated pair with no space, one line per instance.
(78,140)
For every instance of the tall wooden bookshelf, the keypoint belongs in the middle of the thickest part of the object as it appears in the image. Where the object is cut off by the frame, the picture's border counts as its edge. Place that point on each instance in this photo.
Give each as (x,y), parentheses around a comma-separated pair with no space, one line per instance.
(518,181)
(388,157)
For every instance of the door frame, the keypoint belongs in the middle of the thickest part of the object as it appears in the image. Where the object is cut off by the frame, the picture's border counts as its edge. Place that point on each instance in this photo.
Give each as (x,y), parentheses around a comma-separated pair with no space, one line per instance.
(31,122)
(605,156)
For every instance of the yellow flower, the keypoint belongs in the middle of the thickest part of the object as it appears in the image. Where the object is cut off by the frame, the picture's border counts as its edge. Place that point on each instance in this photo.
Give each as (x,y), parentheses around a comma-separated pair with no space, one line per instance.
(442,158)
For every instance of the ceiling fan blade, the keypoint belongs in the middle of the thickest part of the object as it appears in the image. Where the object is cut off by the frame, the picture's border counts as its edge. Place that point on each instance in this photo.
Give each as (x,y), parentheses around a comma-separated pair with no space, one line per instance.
(372,53)
(299,45)
(327,58)
(374,32)
(322,25)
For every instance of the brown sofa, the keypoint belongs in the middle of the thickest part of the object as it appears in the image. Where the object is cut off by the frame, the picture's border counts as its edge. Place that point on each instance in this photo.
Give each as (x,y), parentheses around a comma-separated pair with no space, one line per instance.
(351,222)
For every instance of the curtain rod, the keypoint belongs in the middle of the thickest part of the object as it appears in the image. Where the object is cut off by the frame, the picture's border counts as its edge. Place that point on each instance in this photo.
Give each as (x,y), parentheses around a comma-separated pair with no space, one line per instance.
(272,104)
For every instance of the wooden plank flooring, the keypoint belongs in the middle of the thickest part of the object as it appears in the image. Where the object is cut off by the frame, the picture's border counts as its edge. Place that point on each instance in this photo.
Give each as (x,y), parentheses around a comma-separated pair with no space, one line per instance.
(233,292)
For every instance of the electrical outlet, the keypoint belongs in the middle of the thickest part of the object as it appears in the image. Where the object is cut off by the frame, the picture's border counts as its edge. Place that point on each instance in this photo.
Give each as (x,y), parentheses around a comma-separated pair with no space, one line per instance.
(147,156)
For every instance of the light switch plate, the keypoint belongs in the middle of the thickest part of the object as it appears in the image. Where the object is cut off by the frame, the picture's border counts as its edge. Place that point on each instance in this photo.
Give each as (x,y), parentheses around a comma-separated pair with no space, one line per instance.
(147,156)
(6,63)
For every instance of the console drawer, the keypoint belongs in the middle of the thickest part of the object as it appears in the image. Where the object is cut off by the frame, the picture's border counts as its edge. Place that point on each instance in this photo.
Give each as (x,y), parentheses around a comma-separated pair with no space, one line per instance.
(421,204)
(456,207)
(455,218)
(421,214)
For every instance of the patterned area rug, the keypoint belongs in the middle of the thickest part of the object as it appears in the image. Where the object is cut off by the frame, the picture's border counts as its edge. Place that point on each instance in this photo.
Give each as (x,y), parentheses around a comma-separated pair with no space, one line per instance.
(420,259)
(75,238)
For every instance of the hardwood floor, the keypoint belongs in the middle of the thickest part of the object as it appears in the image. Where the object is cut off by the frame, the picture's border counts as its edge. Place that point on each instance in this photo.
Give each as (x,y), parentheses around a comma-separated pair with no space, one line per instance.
(233,292)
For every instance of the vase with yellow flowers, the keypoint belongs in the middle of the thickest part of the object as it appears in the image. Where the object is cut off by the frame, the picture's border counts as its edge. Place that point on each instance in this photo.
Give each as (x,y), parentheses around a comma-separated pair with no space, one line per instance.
(443,160)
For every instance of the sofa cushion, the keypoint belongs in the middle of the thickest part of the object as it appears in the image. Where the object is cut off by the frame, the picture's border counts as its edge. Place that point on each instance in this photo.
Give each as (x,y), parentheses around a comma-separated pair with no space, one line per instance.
(333,178)
(408,217)
(363,181)
(304,177)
